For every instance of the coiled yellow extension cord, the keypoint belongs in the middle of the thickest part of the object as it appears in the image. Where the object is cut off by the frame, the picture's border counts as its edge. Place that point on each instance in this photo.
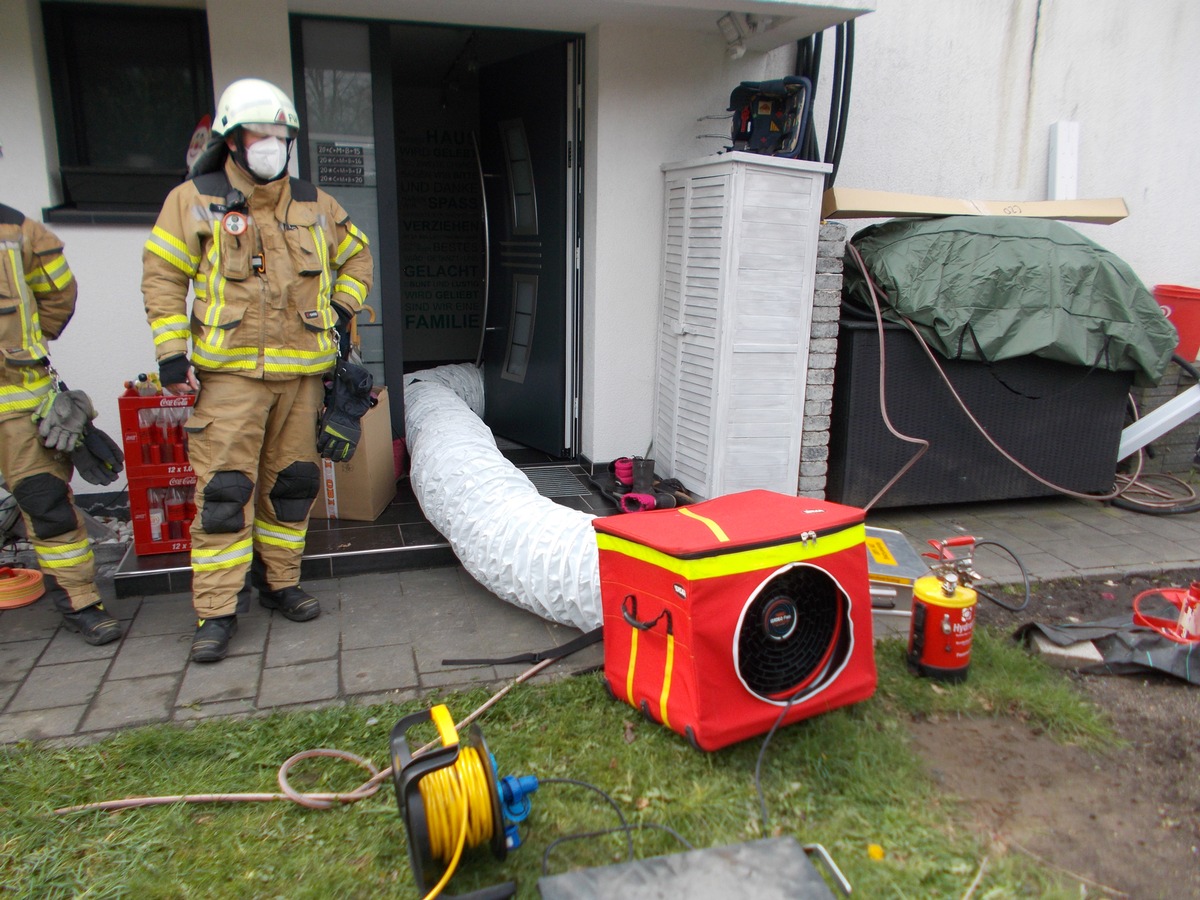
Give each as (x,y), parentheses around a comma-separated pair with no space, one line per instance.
(458,810)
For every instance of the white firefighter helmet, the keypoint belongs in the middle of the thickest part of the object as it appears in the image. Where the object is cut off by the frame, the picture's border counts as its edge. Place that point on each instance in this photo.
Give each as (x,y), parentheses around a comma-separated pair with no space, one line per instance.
(255,104)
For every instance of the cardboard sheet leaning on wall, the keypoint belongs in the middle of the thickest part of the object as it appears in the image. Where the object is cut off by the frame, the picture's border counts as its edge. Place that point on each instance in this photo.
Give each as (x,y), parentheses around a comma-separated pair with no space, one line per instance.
(987,288)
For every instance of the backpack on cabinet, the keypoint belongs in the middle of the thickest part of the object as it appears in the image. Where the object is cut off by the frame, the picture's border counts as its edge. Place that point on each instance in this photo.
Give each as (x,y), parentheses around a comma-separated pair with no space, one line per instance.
(771,117)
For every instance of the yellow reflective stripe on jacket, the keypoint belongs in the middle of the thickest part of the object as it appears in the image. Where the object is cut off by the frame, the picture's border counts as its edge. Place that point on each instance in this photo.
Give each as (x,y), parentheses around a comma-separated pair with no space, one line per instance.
(216,289)
(17,397)
(325,289)
(352,286)
(208,355)
(301,362)
(53,275)
(170,328)
(165,245)
(31,329)
(353,242)
(63,556)
(279,535)
(225,558)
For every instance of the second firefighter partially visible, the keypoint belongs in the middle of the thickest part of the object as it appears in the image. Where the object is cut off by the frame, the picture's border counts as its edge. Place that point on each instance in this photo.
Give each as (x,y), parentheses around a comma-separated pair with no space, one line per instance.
(279,272)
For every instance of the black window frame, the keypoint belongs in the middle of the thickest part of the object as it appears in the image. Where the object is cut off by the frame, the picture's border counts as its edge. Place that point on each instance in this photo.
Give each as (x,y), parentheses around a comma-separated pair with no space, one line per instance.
(99,194)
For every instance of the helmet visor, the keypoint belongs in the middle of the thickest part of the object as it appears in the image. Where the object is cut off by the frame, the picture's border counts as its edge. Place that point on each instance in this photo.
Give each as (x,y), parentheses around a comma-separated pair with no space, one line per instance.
(270,129)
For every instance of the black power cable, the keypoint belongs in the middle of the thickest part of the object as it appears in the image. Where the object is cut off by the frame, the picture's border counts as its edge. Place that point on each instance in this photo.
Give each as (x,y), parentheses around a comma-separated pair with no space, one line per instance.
(808,64)
(844,111)
(835,94)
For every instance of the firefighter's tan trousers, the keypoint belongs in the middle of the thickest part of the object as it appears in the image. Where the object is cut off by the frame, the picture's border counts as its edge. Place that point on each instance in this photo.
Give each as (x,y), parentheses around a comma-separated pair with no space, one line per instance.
(40,480)
(253,444)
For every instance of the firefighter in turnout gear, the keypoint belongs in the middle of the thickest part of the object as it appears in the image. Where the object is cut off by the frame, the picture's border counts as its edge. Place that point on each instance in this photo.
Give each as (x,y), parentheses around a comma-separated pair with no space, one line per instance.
(37,299)
(278,271)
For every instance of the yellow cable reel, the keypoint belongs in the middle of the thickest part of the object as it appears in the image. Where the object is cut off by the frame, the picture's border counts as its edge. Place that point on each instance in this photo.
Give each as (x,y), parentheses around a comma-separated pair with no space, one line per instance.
(449,801)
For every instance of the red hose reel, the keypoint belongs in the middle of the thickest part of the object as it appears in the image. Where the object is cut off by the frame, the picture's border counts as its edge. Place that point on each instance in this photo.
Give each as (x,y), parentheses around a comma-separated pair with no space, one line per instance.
(1185,628)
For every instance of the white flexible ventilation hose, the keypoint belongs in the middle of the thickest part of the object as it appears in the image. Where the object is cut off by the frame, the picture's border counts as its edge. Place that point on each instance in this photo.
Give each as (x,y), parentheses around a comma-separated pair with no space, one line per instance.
(523,547)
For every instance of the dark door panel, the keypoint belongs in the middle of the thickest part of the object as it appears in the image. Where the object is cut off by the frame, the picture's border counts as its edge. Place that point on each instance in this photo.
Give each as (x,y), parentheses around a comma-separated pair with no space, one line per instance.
(524,148)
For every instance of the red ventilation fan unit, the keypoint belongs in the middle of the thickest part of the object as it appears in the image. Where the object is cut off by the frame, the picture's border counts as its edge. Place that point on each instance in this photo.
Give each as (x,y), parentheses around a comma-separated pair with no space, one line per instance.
(720,615)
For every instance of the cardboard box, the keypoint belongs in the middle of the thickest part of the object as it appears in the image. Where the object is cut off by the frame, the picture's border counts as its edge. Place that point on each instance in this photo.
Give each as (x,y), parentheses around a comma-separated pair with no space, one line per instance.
(359,490)
(857,203)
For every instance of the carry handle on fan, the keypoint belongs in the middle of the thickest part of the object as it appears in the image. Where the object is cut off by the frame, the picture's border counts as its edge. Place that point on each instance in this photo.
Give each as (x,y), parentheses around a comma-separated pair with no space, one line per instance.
(629,613)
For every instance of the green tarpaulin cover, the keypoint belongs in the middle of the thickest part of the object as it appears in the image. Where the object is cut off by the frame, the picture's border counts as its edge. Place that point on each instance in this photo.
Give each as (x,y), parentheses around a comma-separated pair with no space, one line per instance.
(995,287)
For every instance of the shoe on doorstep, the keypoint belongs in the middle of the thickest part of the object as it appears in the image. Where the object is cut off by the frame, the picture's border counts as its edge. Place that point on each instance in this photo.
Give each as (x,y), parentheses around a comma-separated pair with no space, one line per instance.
(94,624)
(294,602)
(211,641)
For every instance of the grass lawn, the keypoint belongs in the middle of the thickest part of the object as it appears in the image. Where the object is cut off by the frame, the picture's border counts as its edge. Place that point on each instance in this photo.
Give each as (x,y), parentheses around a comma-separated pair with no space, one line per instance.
(847,780)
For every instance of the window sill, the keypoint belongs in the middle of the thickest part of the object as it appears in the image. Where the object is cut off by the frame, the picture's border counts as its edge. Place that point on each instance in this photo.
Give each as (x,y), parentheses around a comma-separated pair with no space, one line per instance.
(76,215)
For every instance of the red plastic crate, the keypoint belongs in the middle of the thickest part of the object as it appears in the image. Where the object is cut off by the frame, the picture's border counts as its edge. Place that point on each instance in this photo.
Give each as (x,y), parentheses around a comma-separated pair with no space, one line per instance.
(161,509)
(152,435)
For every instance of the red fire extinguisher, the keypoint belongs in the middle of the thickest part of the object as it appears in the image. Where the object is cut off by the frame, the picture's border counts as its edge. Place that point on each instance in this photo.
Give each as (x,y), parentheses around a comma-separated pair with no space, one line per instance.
(943,613)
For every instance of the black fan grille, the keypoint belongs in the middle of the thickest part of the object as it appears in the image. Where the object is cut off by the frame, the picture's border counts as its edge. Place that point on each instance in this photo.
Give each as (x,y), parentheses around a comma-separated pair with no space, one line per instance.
(774,660)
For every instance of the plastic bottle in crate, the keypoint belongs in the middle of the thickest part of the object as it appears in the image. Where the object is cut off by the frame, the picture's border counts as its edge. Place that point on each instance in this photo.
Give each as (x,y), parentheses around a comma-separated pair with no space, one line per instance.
(157,513)
(176,513)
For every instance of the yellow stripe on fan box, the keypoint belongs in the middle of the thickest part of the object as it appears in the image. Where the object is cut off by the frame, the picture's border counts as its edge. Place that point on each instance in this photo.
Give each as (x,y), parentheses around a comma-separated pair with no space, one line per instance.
(732,562)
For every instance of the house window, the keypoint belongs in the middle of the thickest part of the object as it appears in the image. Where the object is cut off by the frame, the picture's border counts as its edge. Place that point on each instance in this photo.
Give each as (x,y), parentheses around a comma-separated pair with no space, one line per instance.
(129,86)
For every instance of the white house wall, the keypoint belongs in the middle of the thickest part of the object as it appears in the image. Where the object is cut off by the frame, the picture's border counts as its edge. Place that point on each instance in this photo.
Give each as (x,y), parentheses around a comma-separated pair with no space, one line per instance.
(646,92)
(264,51)
(26,120)
(942,103)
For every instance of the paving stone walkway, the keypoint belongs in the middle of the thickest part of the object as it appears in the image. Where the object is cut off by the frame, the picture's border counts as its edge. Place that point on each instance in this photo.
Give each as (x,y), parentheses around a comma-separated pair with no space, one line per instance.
(383,636)
(380,637)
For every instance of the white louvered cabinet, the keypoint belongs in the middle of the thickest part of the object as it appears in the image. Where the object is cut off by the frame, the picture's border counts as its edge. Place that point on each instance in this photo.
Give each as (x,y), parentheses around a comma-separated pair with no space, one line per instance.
(739,263)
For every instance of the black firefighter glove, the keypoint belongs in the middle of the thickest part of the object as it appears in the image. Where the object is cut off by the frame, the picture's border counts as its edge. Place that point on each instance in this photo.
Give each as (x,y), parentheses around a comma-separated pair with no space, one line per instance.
(97,459)
(174,370)
(347,398)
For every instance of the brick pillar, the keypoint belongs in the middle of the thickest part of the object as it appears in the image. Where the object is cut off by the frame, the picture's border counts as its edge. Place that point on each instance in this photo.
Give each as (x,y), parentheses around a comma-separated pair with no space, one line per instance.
(1175,453)
(822,354)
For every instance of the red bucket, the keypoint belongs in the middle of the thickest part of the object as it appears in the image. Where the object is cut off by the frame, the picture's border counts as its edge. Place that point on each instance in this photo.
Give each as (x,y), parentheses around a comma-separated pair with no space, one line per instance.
(1182,306)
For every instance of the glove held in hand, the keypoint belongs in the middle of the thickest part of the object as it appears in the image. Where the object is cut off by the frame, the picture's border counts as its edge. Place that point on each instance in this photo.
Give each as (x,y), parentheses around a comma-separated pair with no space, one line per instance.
(347,399)
(62,418)
(173,370)
(98,459)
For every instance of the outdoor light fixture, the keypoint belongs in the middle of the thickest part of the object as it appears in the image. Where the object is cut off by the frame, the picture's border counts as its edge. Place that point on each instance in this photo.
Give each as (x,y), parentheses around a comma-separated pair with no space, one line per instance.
(735,28)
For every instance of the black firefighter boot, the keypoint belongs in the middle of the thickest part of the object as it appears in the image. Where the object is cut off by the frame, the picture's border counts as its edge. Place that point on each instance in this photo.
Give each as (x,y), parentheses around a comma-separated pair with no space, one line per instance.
(294,602)
(211,640)
(93,623)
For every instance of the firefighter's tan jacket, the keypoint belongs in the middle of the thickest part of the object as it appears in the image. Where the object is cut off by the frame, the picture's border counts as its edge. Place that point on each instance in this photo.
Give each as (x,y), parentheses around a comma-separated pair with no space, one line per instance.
(37,299)
(264,275)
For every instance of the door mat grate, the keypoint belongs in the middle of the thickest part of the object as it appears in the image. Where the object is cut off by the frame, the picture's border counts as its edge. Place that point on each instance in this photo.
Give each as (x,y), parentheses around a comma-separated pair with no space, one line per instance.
(557,481)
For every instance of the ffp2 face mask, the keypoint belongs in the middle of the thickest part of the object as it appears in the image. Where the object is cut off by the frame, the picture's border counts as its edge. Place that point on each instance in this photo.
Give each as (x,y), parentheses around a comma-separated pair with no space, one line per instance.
(267,157)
